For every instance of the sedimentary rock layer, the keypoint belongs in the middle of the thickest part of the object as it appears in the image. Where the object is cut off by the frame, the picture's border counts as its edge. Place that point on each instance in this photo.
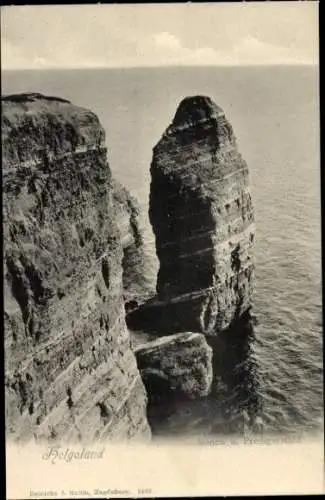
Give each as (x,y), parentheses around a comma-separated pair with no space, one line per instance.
(202,216)
(70,373)
(136,285)
(180,363)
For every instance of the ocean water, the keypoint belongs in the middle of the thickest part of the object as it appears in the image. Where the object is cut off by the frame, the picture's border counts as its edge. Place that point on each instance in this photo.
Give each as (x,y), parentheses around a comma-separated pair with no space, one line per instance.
(275,116)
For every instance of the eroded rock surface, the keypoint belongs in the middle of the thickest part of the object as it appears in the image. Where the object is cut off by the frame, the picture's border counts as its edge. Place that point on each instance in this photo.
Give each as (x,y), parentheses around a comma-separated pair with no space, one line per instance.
(202,216)
(136,284)
(181,363)
(70,372)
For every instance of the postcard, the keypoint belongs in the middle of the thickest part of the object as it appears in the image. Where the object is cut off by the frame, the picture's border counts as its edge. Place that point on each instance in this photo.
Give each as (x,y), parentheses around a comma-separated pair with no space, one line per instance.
(162,250)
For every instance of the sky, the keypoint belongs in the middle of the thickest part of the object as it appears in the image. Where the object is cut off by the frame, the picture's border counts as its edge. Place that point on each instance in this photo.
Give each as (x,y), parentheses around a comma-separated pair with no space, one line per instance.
(146,35)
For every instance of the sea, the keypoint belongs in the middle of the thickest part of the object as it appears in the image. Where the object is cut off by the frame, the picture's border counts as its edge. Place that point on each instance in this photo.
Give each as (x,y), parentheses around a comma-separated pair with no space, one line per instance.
(274,112)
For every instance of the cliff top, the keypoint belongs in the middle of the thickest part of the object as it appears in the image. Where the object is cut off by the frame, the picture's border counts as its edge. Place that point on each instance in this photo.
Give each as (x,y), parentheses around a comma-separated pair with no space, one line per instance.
(198,147)
(196,108)
(46,123)
(18,106)
(31,97)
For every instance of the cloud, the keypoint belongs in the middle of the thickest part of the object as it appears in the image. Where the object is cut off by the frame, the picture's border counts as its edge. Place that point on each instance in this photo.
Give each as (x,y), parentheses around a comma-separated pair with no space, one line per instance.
(167,40)
(246,51)
(40,62)
(120,36)
(161,49)
(250,50)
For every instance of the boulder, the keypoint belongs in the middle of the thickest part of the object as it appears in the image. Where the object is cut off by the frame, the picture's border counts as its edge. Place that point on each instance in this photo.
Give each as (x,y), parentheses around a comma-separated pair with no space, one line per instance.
(180,363)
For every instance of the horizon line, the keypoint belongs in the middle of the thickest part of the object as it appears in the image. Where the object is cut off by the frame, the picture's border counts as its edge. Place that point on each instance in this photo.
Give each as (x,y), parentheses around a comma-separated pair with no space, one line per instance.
(163,66)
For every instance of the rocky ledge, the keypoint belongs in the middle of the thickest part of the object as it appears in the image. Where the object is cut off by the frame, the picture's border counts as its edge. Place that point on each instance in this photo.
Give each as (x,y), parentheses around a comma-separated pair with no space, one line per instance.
(70,372)
(202,216)
(181,363)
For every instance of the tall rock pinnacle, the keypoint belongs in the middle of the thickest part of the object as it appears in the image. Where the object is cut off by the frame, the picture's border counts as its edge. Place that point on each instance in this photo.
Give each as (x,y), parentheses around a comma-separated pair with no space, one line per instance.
(202,216)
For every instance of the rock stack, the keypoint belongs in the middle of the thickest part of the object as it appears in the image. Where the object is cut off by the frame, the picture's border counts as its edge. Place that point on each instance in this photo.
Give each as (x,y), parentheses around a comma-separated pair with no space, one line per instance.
(202,216)
(70,372)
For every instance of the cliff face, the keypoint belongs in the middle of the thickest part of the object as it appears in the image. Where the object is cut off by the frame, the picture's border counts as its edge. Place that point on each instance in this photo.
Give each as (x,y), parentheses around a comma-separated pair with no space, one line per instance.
(202,216)
(70,373)
(136,285)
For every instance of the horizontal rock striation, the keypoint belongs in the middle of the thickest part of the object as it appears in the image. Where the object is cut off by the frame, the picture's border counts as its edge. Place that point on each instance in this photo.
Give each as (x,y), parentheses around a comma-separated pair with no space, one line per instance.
(202,216)
(181,363)
(127,215)
(136,284)
(69,371)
